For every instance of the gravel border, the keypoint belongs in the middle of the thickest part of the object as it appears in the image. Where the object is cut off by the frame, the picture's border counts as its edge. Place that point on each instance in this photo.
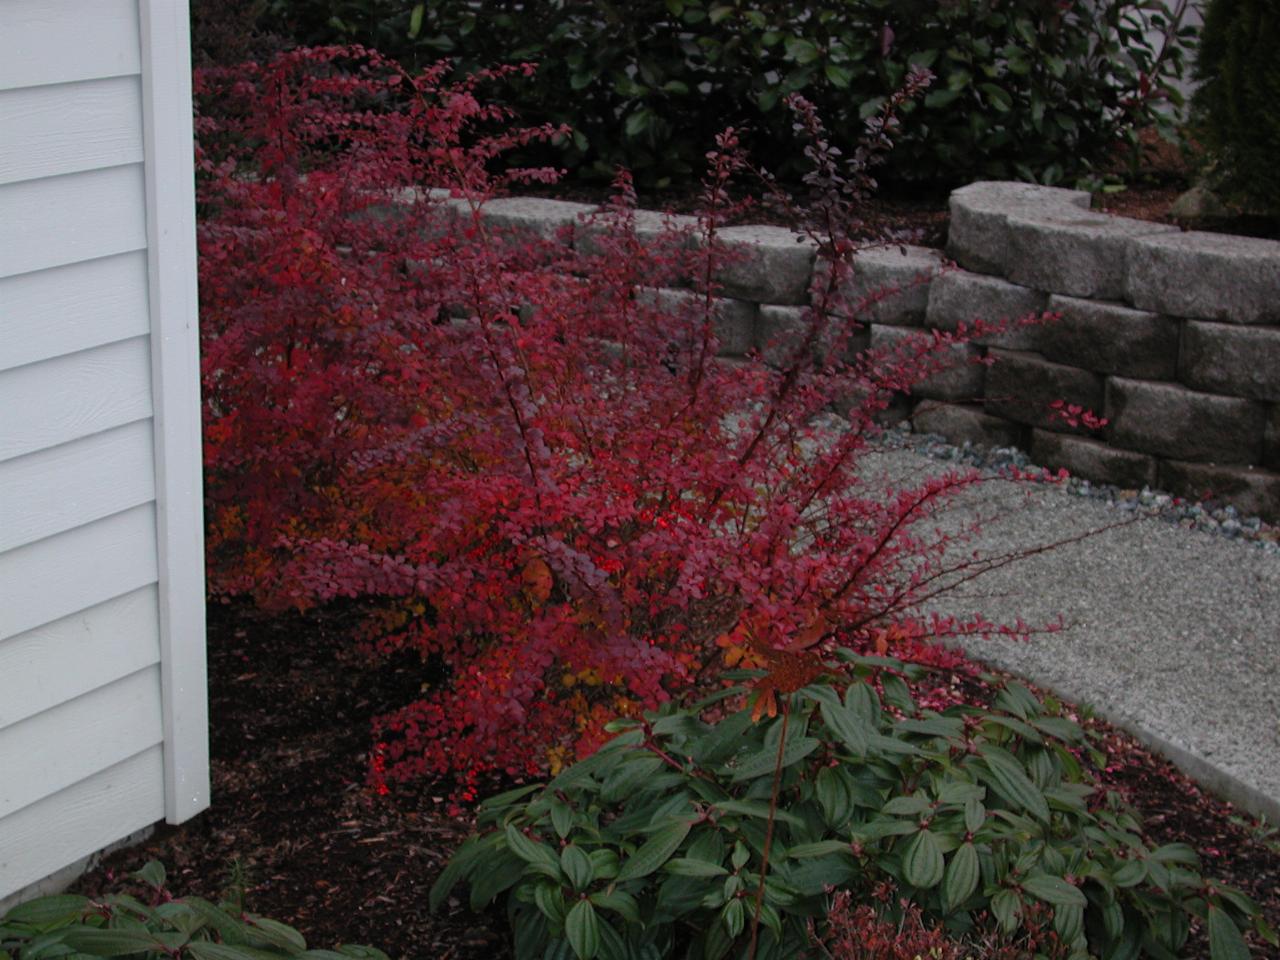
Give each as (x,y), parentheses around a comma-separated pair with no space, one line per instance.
(1209,516)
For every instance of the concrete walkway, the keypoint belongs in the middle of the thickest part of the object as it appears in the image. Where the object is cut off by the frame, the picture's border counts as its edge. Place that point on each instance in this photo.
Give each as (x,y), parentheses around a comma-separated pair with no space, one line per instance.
(1174,634)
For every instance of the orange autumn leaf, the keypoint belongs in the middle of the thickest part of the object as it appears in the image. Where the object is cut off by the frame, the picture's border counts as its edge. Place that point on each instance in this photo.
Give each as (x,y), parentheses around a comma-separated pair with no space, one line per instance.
(537,580)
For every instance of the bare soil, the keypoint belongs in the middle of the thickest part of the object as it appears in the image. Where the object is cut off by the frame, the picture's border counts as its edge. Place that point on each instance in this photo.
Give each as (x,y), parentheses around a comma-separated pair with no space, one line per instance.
(290,706)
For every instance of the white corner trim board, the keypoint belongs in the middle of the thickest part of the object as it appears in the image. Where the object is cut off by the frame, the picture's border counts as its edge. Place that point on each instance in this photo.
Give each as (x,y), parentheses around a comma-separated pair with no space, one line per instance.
(171,253)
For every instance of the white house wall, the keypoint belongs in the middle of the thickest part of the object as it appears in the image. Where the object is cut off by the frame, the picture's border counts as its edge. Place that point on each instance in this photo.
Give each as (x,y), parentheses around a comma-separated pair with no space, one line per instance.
(102,697)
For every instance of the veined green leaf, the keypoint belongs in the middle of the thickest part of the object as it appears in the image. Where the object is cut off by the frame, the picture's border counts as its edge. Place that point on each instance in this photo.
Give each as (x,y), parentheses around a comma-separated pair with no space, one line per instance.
(577,867)
(655,851)
(109,943)
(1225,942)
(1051,889)
(684,867)
(1008,777)
(848,724)
(581,929)
(922,863)
(961,877)
(765,761)
(532,851)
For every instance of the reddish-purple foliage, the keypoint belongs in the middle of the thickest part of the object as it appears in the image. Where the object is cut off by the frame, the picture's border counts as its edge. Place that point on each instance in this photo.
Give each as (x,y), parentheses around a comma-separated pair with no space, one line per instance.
(513,461)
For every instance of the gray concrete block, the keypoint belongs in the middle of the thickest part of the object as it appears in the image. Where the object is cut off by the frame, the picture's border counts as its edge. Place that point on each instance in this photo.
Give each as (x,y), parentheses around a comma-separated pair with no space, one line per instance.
(1092,459)
(553,220)
(1207,276)
(1023,387)
(780,332)
(965,423)
(1110,338)
(1172,421)
(1252,491)
(735,320)
(1226,358)
(961,380)
(768,265)
(978,238)
(893,282)
(958,297)
(650,227)
(1073,252)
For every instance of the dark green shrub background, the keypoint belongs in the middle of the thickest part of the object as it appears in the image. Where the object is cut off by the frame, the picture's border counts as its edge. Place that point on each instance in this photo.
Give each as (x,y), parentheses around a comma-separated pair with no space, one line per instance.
(1028,89)
(1239,62)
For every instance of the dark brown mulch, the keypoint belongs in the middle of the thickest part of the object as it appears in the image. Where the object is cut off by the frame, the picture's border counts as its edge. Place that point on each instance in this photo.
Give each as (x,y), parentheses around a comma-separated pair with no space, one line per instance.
(290,705)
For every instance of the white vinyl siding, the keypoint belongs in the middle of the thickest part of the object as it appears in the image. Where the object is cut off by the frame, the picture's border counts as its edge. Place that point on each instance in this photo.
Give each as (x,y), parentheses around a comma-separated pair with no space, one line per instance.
(103,711)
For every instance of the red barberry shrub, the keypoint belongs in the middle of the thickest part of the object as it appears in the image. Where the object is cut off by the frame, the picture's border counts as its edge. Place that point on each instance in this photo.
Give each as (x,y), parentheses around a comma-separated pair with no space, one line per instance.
(506,455)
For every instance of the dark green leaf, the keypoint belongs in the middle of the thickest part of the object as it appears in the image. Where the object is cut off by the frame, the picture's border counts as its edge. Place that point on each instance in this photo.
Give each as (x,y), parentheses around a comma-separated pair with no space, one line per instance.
(109,943)
(1225,942)
(1052,889)
(48,911)
(655,851)
(581,930)
(684,867)
(848,724)
(961,877)
(577,867)
(922,863)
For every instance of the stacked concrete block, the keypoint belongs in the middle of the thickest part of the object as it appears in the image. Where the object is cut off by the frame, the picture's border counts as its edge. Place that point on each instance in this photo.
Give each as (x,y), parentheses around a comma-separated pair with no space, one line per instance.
(1086,457)
(1209,276)
(734,320)
(766,265)
(1023,387)
(1175,337)
(960,375)
(966,423)
(957,299)
(1110,338)
(891,284)
(1169,420)
(979,235)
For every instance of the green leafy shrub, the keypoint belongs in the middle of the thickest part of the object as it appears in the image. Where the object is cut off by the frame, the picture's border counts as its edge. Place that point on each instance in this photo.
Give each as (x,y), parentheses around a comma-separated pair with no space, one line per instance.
(1236,103)
(983,818)
(1029,89)
(184,928)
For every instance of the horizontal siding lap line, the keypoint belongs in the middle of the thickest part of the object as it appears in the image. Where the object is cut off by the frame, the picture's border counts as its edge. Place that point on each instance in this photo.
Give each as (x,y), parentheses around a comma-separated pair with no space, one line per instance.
(78,653)
(88,815)
(61,575)
(70,741)
(59,488)
(77,395)
(71,218)
(62,310)
(69,128)
(61,41)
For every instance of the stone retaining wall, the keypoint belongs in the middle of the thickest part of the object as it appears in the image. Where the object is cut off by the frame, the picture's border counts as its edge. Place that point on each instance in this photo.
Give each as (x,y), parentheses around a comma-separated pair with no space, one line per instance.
(1173,337)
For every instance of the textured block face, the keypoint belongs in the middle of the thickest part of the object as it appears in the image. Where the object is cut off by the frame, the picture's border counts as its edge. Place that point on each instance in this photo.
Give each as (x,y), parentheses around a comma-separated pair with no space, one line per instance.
(770,265)
(1092,459)
(1250,490)
(1225,358)
(1024,386)
(958,297)
(962,378)
(1172,421)
(532,216)
(895,281)
(1110,338)
(978,238)
(1209,276)
(965,423)
(780,333)
(735,321)
(1074,252)
(1271,440)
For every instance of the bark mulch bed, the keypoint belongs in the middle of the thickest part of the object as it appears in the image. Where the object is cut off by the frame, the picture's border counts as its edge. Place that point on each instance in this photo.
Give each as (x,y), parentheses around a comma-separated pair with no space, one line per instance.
(290,705)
